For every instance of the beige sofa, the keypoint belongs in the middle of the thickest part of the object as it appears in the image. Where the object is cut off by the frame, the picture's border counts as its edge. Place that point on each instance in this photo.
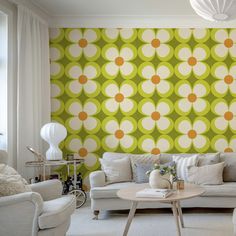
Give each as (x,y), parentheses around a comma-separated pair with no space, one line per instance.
(104,197)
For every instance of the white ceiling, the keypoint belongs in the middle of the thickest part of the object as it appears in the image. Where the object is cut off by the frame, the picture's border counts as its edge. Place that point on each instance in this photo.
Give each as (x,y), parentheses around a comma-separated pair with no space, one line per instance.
(123,13)
(115,7)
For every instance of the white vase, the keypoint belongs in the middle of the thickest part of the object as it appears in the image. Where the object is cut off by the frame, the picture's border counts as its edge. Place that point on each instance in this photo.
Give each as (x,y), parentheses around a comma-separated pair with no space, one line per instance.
(156,180)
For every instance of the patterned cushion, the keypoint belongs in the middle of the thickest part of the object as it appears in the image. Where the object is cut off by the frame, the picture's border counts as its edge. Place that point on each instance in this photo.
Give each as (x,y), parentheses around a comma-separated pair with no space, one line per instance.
(142,159)
(182,163)
(11,182)
(141,170)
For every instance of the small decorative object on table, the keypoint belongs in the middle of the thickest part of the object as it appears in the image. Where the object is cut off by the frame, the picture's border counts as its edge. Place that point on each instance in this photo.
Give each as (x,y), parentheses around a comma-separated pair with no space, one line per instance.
(162,176)
(180,184)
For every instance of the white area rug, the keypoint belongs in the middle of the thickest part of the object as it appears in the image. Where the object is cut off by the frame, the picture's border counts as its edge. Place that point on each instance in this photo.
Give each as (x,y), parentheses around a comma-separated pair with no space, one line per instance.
(198,222)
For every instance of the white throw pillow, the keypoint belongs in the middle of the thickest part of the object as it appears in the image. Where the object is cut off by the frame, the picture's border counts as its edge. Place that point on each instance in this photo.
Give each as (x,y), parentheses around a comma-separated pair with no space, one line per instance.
(208,174)
(118,170)
(11,182)
(182,164)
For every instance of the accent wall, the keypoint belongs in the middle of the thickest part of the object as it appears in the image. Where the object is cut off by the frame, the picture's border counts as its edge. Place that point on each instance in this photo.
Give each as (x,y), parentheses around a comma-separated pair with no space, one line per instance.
(143,91)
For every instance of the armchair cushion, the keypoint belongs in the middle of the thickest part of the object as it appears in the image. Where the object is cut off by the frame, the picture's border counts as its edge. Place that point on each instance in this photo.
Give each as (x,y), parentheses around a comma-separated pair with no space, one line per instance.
(57,211)
(49,189)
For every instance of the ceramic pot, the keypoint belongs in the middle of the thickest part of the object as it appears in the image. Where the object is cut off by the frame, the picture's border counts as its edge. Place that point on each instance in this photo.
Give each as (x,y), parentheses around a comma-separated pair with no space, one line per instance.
(156,180)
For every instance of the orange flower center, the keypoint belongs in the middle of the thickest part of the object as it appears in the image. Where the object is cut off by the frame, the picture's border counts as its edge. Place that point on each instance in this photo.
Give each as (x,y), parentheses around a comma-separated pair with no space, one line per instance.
(228,149)
(83,115)
(83,152)
(228,115)
(192,61)
(228,43)
(83,43)
(192,134)
(192,97)
(156,79)
(156,151)
(155,115)
(119,134)
(228,79)
(119,61)
(119,97)
(83,79)
(155,43)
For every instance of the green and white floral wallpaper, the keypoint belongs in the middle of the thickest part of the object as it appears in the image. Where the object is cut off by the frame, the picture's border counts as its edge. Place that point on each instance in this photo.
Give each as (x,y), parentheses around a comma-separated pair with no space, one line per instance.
(144,90)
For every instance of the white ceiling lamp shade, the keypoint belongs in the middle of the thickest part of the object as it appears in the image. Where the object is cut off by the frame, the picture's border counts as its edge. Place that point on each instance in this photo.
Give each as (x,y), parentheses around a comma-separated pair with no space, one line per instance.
(215,10)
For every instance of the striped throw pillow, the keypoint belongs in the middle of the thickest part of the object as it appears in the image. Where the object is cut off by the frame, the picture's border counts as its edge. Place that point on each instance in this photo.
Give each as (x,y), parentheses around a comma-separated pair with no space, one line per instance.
(182,164)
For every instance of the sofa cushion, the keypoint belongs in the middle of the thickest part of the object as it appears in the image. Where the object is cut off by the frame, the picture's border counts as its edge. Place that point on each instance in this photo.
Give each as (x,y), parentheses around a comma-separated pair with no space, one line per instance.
(209,159)
(113,155)
(56,211)
(110,190)
(229,173)
(207,174)
(227,189)
(182,163)
(141,172)
(117,170)
(137,159)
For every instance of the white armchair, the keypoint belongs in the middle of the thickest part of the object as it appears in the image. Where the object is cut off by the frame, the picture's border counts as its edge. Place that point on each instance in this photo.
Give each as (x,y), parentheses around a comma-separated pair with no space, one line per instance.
(42,212)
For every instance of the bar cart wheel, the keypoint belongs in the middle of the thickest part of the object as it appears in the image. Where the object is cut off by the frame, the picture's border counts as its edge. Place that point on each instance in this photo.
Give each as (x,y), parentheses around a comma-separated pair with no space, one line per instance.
(80,195)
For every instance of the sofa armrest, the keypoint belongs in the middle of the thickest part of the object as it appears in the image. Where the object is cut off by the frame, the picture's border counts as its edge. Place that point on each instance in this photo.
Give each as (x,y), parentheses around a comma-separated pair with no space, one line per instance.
(19,214)
(97,179)
(49,189)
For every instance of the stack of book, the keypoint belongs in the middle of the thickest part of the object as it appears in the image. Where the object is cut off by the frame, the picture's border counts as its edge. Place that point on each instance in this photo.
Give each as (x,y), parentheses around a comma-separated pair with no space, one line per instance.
(154,193)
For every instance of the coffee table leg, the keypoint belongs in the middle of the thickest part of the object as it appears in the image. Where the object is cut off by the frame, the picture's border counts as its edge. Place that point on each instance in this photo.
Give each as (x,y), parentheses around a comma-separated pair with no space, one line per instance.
(130,217)
(180,213)
(175,213)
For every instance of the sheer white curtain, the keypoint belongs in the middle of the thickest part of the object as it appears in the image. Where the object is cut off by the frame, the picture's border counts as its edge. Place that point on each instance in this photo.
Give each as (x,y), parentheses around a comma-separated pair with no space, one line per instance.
(33,101)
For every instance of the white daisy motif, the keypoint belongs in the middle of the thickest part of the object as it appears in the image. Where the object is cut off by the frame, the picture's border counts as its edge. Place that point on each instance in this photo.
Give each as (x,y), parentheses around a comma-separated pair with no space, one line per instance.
(221,144)
(192,61)
(226,40)
(192,134)
(155,43)
(83,115)
(119,134)
(82,43)
(155,116)
(83,79)
(226,79)
(200,35)
(163,144)
(119,61)
(126,34)
(119,97)
(85,150)
(192,98)
(156,79)
(226,116)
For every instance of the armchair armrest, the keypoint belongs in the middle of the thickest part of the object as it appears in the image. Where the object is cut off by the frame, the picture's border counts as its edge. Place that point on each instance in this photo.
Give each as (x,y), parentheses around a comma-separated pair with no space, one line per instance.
(19,214)
(49,189)
(97,179)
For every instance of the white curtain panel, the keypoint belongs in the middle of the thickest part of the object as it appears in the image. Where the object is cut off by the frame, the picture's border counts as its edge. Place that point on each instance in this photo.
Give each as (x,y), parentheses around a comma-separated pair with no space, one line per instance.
(33,102)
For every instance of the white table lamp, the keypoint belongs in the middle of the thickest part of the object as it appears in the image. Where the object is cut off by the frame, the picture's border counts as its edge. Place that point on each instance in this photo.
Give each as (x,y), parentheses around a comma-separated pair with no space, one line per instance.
(53,134)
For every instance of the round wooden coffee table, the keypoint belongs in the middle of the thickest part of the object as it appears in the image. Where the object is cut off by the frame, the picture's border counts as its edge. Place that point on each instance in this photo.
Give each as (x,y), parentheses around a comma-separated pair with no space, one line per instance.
(190,191)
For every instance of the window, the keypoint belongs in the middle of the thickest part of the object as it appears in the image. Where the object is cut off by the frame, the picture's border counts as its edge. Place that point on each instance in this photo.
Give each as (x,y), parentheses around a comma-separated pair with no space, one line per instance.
(3,80)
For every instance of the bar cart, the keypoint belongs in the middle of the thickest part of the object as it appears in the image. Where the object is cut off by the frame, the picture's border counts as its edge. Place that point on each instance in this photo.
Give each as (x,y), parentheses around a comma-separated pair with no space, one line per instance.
(73,184)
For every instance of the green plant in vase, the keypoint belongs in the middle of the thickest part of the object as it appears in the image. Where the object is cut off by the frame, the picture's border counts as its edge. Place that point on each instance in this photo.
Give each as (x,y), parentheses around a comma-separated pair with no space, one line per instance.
(163,176)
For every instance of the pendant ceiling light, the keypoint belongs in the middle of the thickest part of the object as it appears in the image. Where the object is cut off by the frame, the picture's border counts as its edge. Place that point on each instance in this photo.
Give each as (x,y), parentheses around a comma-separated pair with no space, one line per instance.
(215,10)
